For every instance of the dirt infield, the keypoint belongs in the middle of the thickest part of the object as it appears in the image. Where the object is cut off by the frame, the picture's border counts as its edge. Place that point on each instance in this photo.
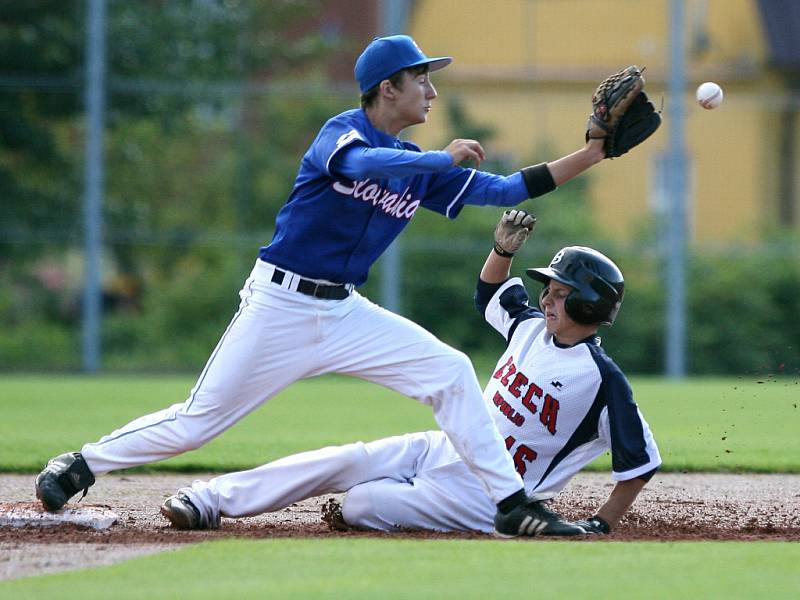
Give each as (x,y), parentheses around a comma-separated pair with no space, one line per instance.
(672,507)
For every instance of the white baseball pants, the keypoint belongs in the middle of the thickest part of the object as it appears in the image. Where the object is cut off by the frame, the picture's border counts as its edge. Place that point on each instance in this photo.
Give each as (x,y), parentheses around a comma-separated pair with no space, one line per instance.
(413,481)
(279,336)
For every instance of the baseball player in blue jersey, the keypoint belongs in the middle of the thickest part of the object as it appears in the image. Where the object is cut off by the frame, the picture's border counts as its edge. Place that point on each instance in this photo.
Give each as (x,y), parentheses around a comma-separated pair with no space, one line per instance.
(557,399)
(300,316)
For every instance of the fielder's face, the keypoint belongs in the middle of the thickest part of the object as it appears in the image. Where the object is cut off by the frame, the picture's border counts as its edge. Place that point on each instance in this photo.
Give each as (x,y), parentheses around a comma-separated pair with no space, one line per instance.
(559,323)
(414,99)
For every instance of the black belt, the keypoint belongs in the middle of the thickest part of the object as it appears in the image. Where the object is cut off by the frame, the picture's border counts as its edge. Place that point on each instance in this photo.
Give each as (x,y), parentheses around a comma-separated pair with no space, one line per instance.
(312,288)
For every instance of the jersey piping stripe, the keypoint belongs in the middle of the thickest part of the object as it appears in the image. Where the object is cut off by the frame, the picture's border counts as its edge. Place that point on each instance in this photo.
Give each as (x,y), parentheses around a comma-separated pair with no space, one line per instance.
(584,433)
(533,314)
(245,304)
(514,300)
(460,193)
(484,292)
(339,149)
(628,444)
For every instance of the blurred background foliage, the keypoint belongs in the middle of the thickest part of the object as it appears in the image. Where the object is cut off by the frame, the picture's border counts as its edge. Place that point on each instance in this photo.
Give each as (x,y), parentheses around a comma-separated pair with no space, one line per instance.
(211,105)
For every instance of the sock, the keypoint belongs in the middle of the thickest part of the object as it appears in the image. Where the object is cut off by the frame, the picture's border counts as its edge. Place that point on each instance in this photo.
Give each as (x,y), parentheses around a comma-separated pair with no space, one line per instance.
(508,504)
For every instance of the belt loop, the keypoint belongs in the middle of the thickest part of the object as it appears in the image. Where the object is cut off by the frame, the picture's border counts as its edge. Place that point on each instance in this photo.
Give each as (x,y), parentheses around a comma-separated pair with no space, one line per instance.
(276,276)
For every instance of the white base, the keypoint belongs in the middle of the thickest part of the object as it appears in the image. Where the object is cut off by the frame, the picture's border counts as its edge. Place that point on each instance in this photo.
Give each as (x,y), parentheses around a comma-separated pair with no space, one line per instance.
(94,517)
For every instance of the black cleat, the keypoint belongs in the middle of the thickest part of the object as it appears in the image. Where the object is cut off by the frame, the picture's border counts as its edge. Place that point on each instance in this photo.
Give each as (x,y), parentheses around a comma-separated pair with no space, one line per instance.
(533,518)
(62,478)
(183,514)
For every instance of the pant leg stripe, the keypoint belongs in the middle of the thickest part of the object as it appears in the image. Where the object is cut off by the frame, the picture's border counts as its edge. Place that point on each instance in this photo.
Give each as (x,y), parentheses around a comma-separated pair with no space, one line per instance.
(245,304)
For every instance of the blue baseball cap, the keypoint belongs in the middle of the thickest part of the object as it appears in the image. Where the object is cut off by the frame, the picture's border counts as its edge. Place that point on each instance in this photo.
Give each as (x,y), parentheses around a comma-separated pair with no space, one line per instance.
(385,56)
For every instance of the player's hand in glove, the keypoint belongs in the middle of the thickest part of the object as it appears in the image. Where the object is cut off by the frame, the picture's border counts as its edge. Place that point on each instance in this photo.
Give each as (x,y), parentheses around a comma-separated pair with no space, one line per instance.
(595,525)
(512,231)
(621,113)
(638,123)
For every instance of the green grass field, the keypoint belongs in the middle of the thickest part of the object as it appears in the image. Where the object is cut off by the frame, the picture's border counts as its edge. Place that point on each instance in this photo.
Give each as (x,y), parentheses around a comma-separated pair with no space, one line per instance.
(381,568)
(700,425)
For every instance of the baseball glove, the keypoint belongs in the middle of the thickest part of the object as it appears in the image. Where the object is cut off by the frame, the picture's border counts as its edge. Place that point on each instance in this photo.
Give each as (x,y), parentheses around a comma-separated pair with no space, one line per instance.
(638,123)
(612,100)
(512,231)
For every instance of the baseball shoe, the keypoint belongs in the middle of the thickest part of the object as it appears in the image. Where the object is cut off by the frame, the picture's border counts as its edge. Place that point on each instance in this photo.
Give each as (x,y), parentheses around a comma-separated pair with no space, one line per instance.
(183,514)
(62,478)
(533,518)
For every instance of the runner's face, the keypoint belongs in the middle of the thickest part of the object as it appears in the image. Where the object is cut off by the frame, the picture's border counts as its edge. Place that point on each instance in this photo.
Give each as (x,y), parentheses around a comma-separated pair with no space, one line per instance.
(552,302)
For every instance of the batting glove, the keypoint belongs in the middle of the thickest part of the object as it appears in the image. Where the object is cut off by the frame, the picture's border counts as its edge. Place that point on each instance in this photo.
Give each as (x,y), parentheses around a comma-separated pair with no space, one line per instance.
(512,231)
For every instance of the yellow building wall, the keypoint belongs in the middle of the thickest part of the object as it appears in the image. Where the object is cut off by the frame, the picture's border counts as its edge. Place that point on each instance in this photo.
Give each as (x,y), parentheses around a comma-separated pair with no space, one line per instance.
(528,69)
(583,34)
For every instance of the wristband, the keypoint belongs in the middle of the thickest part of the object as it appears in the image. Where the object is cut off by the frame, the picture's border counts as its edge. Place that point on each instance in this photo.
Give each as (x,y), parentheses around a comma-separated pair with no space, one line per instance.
(538,180)
(500,252)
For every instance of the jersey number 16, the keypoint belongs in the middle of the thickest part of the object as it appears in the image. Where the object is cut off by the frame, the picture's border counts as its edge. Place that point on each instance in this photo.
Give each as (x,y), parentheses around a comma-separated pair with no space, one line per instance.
(522,455)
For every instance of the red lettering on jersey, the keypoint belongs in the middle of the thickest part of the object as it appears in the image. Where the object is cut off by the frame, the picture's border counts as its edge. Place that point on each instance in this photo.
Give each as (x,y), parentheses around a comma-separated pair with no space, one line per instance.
(499,372)
(507,410)
(549,413)
(533,390)
(511,370)
(521,456)
(497,399)
(519,380)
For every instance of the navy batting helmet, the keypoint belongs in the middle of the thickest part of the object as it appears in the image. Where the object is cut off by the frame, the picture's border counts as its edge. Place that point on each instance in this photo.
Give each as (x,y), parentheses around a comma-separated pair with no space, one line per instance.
(599,286)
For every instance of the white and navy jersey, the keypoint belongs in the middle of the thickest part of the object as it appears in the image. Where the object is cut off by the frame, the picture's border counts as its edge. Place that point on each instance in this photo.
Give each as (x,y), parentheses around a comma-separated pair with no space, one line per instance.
(558,408)
(334,229)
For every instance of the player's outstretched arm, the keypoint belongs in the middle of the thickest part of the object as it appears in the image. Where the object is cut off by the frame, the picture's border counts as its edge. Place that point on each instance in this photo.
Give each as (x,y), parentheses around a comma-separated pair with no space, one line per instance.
(532,181)
(618,503)
(572,165)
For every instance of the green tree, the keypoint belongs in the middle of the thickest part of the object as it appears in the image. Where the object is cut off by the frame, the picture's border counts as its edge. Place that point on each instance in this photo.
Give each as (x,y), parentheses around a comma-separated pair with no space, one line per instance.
(39,63)
(201,143)
(169,63)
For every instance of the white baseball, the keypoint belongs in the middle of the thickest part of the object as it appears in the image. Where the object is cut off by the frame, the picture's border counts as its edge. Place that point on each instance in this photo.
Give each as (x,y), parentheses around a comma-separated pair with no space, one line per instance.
(709,95)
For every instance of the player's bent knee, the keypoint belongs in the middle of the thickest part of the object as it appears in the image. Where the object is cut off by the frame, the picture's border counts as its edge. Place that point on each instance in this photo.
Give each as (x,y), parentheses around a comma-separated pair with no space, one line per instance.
(461,360)
(357,507)
(383,504)
(458,372)
(452,362)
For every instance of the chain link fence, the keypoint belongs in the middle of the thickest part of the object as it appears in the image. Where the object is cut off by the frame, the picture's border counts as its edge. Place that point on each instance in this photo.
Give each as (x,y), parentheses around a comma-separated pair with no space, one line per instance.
(202,142)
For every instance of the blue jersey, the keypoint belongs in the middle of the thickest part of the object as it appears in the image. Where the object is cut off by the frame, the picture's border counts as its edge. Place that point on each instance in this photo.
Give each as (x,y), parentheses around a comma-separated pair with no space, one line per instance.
(335,228)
